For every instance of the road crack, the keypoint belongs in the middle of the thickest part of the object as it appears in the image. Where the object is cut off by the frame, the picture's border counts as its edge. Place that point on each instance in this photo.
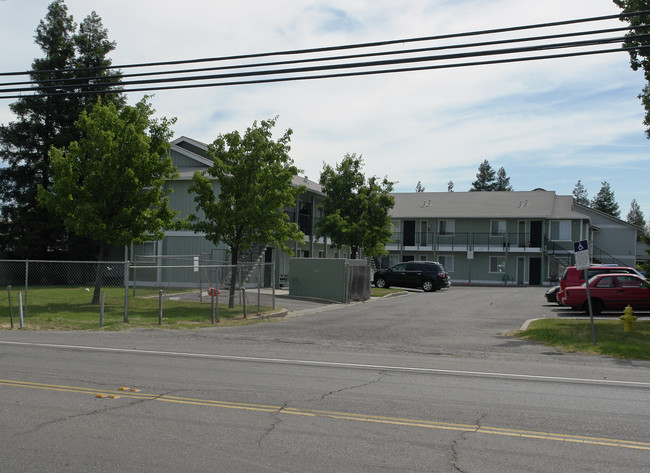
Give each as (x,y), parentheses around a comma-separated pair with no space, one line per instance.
(105,408)
(455,455)
(276,420)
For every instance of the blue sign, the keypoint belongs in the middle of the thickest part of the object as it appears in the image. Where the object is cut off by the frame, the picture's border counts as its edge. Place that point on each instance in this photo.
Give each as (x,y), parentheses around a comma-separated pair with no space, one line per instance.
(580,246)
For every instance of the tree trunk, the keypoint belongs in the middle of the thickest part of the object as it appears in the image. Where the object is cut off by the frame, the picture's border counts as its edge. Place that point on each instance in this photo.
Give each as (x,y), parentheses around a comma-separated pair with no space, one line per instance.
(234,255)
(99,273)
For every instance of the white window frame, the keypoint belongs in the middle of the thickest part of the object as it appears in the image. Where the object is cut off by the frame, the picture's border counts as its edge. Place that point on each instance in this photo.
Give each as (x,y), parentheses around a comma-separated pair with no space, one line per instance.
(444,261)
(563,230)
(450,230)
(499,224)
(500,264)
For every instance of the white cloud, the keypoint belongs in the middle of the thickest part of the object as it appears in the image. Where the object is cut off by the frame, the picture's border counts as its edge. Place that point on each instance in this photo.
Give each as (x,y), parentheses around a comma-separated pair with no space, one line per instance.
(548,123)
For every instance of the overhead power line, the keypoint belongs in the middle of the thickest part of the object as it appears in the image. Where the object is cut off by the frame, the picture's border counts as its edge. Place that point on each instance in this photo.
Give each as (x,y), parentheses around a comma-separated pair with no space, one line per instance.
(366,62)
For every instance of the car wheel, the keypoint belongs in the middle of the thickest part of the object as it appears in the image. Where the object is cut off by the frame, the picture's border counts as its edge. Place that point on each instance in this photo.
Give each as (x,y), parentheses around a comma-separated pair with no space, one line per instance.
(596,306)
(427,286)
(381,283)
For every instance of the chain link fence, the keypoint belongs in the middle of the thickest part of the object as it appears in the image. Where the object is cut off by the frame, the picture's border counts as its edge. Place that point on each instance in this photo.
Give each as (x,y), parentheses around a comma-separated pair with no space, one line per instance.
(167,290)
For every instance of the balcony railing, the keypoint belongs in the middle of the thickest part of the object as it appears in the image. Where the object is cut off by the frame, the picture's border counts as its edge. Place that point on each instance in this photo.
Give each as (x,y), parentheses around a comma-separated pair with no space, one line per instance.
(466,241)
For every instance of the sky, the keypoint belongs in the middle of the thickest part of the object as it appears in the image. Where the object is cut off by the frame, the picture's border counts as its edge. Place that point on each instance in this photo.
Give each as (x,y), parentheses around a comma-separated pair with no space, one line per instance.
(548,123)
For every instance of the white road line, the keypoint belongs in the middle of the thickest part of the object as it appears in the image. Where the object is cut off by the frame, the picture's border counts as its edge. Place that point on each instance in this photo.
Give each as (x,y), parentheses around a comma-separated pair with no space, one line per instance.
(333,364)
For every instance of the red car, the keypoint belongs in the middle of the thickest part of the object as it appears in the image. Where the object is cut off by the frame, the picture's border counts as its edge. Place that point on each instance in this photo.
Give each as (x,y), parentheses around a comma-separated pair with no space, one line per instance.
(576,277)
(610,291)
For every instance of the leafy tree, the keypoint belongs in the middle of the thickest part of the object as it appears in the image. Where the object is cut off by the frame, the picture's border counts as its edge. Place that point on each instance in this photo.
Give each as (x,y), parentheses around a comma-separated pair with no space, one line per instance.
(503,182)
(252,175)
(450,186)
(580,195)
(109,185)
(27,230)
(635,217)
(637,39)
(356,209)
(485,178)
(418,187)
(605,202)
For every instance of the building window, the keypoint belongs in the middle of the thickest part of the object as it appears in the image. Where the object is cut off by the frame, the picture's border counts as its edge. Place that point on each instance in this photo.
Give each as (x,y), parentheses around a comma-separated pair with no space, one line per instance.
(497,264)
(447,262)
(497,227)
(446,227)
(561,230)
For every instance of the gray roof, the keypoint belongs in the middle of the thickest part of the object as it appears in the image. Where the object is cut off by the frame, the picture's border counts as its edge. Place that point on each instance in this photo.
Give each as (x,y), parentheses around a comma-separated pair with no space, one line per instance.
(203,162)
(524,204)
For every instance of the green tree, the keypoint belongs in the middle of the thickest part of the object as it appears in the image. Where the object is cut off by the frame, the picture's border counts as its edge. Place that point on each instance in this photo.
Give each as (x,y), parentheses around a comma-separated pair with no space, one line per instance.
(638,41)
(503,182)
(109,186)
(635,217)
(485,178)
(450,186)
(419,187)
(27,230)
(356,209)
(243,195)
(605,202)
(580,195)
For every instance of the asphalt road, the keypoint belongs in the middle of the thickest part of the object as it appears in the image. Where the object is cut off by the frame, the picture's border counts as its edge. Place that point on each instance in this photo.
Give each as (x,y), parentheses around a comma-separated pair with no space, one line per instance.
(421,382)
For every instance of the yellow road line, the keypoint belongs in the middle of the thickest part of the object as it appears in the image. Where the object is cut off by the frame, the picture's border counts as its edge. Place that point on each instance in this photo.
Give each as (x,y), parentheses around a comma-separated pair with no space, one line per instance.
(478,429)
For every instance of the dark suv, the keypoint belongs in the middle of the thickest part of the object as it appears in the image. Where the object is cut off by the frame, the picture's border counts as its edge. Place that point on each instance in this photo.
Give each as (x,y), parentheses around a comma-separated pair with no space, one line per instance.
(427,275)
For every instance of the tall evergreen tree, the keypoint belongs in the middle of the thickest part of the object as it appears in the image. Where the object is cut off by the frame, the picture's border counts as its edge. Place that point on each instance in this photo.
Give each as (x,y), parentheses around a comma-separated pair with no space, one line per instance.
(605,202)
(580,195)
(635,217)
(503,182)
(485,178)
(45,119)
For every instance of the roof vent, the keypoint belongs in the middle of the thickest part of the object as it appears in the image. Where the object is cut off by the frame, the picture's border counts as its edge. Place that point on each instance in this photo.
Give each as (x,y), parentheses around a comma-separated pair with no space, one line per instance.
(523,203)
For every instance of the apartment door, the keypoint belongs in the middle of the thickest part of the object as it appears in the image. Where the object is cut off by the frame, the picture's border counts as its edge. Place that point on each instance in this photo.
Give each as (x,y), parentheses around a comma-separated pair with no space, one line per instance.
(521,268)
(536,233)
(409,232)
(534,271)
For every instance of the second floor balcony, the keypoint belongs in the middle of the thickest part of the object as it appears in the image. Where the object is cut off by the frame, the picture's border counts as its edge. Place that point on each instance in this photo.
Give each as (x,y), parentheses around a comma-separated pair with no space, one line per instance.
(470,241)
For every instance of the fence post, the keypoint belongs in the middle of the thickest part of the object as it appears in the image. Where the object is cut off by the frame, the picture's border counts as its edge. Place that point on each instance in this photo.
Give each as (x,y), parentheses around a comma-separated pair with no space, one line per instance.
(101,310)
(243,295)
(216,303)
(259,288)
(160,307)
(273,283)
(212,303)
(26,287)
(20,308)
(126,291)
(11,313)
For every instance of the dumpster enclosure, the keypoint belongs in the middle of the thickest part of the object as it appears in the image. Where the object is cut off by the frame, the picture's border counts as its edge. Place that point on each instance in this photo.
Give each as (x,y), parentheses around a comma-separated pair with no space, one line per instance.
(335,279)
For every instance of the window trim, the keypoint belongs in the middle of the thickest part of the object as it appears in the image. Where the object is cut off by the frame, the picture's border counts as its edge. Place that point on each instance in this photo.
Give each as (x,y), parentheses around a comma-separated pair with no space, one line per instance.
(449,257)
(503,266)
(559,236)
(498,234)
(447,232)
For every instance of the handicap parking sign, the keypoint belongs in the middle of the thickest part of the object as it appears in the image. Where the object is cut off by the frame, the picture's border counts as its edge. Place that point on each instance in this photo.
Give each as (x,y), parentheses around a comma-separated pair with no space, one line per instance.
(581,245)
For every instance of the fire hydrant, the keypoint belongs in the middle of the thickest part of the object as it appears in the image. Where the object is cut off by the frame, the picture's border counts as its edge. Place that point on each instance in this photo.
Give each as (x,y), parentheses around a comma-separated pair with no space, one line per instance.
(628,318)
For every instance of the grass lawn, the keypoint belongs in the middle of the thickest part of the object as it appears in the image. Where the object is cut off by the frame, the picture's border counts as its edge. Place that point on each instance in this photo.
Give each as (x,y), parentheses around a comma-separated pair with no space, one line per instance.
(70,308)
(576,336)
